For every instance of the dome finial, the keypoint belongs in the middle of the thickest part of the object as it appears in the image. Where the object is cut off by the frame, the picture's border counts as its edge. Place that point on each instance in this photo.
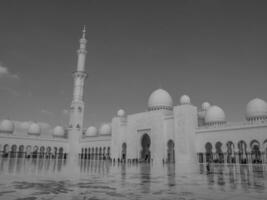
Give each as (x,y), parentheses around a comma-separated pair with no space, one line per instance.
(84,31)
(160,85)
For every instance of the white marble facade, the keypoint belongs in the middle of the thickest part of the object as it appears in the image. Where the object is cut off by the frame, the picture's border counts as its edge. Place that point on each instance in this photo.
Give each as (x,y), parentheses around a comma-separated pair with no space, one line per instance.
(164,133)
(184,133)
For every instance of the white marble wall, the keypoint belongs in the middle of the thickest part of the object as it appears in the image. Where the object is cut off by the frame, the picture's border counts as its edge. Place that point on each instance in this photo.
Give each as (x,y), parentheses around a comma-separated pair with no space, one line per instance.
(185,122)
(234,133)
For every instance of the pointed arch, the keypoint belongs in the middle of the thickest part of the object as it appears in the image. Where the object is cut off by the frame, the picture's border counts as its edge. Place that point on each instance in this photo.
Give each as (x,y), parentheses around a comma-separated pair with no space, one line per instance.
(60,153)
(6,151)
(42,152)
(242,152)
(170,151)
(13,151)
(21,151)
(230,152)
(28,151)
(48,152)
(209,155)
(255,151)
(35,152)
(145,151)
(219,157)
(123,151)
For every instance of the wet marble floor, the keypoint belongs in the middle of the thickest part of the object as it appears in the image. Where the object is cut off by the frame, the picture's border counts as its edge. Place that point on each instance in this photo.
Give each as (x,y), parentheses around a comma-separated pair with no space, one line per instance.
(58,179)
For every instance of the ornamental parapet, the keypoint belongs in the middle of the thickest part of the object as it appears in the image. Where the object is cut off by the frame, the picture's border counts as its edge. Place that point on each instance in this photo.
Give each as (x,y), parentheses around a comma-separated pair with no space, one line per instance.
(231,126)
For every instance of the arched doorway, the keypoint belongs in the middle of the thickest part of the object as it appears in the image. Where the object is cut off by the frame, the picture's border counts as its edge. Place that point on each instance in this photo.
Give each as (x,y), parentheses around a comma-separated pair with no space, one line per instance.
(55,152)
(21,151)
(28,151)
(255,152)
(13,151)
(61,153)
(230,152)
(5,151)
(219,154)
(242,151)
(81,154)
(170,152)
(85,153)
(35,152)
(42,152)
(123,151)
(209,155)
(48,152)
(145,152)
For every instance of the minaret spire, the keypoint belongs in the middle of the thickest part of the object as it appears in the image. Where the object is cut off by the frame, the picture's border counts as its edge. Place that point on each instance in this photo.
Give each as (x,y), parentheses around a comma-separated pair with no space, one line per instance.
(84,31)
(82,51)
(77,104)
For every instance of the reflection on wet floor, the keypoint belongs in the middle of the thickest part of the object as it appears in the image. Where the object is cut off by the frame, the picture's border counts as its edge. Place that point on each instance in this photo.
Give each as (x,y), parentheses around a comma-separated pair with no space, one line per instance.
(247,176)
(104,180)
(31,166)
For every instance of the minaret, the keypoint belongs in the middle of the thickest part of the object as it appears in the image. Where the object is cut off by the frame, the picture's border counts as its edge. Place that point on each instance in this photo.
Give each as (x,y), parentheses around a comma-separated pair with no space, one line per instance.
(77,104)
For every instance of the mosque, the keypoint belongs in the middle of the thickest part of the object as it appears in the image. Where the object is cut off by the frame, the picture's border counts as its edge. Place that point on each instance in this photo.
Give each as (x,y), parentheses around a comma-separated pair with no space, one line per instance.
(166,132)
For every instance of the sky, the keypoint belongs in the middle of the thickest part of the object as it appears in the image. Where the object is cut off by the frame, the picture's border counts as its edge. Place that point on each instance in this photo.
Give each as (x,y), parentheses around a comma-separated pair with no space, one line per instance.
(210,50)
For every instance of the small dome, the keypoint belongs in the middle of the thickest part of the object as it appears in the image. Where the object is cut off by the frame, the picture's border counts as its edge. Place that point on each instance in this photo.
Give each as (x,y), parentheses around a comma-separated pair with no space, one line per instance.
(7,126)
(160,99)
(256,108)
(91,131)
(205,106)
(105,129)
(59,131)
(214,115)
(121,113)
(185,99)
(34,129)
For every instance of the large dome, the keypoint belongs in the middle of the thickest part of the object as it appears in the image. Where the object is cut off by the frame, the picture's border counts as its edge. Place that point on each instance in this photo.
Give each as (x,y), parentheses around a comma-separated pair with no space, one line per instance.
(256,109)
(58,131)
(7,126)
(91,131)
(34,129)
(105,129)
(214,115)
(160,99)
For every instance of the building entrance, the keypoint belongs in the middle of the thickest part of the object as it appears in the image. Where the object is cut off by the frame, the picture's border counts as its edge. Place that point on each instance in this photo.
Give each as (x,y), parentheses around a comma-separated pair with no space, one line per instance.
(124,151)
(145,152)
(170,152)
